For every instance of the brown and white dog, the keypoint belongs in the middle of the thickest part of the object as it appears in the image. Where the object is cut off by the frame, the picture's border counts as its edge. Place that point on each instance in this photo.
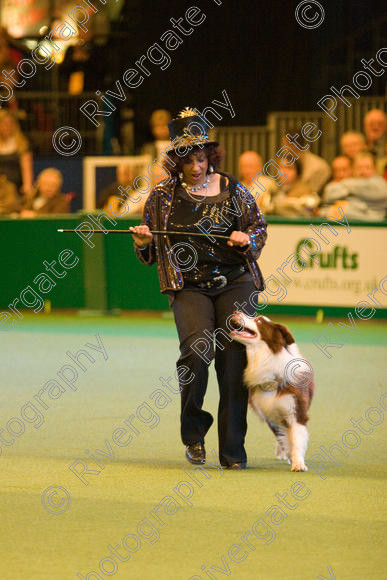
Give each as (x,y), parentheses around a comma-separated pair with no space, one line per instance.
(276,395)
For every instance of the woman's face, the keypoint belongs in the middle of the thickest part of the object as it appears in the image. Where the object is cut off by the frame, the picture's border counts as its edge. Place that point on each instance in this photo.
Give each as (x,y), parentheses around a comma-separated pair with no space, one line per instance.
(195,168)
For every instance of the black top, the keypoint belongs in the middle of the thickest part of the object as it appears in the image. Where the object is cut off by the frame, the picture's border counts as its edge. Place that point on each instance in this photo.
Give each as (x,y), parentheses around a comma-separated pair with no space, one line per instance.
(10,166)
(201,258)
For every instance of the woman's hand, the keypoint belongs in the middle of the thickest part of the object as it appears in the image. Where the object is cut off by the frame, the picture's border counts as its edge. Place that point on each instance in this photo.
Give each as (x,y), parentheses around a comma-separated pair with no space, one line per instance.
(27,191)
(239,239)
(142,236)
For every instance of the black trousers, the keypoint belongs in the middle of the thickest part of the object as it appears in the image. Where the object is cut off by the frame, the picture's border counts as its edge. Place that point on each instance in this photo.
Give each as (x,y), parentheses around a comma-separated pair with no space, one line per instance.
(200,317)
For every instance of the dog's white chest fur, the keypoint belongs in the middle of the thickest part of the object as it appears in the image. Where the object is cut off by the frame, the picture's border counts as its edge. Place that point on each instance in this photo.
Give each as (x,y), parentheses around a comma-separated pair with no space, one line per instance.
(274,408)
(264,366)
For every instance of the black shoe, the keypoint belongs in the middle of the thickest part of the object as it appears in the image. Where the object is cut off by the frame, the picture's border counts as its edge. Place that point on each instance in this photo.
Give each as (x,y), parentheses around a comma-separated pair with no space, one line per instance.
(237,465)
(196,453)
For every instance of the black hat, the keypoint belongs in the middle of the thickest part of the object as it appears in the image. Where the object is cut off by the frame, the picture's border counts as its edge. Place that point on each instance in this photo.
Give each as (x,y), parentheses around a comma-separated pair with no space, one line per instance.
(188,129)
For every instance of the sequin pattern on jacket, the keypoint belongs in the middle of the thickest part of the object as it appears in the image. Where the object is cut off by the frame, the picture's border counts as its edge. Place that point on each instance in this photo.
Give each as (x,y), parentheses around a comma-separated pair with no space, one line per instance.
(156,214)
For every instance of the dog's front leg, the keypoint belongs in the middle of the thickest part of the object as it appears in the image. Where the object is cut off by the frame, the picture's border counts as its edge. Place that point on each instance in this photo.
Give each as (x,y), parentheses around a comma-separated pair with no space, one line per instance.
(282,445)
(298,439)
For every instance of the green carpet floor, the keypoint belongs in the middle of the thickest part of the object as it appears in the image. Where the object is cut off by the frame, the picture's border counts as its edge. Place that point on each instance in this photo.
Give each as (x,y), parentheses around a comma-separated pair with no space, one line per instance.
(177,524)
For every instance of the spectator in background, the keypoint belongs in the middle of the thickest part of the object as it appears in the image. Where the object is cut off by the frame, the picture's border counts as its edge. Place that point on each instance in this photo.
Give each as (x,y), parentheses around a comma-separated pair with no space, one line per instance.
(381,165)
(261,187)
(9,199)
(352,143)
(159,127)
(84,68)
(124,201)
(11,103)
(294,197)
(363,196)
(15,156)
(48,198)
(341,168)
(375,126)
(9,55)
(315,171)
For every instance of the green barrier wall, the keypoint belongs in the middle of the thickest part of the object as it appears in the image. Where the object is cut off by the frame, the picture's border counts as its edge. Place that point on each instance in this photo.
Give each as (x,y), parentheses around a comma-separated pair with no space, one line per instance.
(130,284)
(25,244)
(107,277)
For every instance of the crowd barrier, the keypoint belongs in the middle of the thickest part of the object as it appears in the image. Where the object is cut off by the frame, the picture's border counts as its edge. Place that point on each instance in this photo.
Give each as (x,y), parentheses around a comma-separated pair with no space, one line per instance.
(339,269)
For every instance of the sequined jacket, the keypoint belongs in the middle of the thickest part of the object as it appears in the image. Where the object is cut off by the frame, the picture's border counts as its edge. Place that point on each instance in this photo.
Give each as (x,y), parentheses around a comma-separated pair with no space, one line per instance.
(156,214)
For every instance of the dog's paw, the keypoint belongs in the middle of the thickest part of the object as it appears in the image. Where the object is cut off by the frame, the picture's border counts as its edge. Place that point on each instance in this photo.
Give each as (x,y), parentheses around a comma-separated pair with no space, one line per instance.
(299,467)
(281,455)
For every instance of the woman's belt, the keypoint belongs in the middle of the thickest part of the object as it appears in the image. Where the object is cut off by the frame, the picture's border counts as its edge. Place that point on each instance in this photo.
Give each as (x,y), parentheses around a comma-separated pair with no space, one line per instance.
(221,280)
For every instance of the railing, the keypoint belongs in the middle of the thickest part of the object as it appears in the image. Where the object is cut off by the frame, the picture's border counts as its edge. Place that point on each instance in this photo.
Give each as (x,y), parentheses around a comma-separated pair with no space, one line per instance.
(44,112)
(267,140)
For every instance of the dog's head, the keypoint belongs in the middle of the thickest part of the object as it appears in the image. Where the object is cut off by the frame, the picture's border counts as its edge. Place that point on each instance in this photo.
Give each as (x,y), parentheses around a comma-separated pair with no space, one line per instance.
(254,330)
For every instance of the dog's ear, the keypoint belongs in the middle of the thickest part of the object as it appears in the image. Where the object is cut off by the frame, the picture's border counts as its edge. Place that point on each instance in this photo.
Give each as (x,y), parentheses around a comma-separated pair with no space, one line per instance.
(285,333)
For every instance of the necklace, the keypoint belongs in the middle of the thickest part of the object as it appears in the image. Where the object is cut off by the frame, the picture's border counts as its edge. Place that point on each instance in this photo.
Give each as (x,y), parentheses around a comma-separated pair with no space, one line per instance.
(198,187)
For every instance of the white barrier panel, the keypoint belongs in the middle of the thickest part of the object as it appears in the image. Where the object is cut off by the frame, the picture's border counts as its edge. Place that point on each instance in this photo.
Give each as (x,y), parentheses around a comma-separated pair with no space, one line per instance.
(336,270)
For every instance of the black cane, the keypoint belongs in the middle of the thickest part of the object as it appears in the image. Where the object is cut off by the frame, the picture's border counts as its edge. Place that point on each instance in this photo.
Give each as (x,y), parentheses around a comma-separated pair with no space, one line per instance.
(155,232)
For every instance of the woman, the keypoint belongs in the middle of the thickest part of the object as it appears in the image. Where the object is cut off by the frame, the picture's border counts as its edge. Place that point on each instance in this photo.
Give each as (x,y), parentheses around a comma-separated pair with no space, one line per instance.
(206,280)
(15,156)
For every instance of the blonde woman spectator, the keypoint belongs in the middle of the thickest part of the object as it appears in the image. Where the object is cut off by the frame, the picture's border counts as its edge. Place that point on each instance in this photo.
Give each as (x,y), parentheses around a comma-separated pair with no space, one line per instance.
(48,198)
(294,198)
(352,143)
(261,187)
(15,155)
(363,196)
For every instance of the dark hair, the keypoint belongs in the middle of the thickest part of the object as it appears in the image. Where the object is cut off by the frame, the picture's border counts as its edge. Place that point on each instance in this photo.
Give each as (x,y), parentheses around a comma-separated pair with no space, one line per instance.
(298,167)
(213,152)
(300,139)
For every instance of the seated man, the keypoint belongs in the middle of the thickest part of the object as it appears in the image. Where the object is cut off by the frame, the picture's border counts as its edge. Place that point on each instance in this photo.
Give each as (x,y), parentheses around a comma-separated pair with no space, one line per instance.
(352,143)
(160,132)
(315,170)
(375,127)
(48,198)
(341,168)
(121,201)
(261,187)
(295,197)
(363,196)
